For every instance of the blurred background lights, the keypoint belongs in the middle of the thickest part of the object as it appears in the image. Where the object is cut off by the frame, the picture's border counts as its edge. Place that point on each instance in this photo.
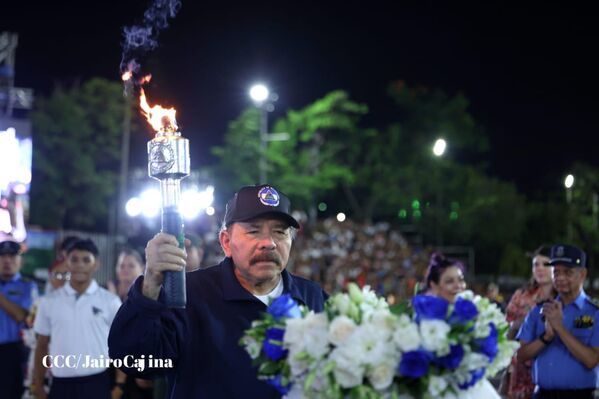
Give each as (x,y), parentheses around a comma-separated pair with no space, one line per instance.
(133,207)
(569,181)
(439,147)
(151,201)
(192,203)
(341,217)
(259,92)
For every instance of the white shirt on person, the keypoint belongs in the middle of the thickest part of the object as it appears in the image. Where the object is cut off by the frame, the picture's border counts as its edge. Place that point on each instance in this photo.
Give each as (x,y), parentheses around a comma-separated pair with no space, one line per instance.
(78,326)
(274,294)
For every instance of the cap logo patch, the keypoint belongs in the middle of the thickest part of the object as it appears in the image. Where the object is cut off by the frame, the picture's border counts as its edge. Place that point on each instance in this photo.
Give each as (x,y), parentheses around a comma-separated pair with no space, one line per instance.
(559,252)
(268,196)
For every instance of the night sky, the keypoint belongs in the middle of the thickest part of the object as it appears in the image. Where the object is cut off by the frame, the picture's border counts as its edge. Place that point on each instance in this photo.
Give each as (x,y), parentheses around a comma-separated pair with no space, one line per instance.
(529,69)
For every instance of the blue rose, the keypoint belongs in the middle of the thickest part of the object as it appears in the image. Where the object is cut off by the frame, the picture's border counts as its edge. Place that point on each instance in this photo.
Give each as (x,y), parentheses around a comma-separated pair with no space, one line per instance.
(453,359)
(414,364)
(273,343)
(276,382)
(463,311)
(488,345)
(284,306)
(430,307)
(475,376)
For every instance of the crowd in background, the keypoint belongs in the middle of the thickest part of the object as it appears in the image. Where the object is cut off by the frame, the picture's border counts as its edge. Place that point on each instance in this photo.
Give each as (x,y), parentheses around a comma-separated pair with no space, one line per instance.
(331,253)
(334,253)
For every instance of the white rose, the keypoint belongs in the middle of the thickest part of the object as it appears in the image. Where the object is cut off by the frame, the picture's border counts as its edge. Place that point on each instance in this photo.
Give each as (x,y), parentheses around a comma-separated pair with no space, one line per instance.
(340,329)
(309,334)
(348,372)
(384,320)
(381,375)
(299,363)
(294,334)
(434,336)
(474,361)
(316,334)
(436,385)
(407,337)
(370,344)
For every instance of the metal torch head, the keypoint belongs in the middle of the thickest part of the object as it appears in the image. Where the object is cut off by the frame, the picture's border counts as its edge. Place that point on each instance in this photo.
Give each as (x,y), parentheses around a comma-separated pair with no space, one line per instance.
(168,156)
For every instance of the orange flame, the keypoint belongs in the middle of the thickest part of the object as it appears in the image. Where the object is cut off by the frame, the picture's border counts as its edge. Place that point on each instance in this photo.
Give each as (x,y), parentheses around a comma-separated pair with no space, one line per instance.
(162,119)
(126,76)
(145,79)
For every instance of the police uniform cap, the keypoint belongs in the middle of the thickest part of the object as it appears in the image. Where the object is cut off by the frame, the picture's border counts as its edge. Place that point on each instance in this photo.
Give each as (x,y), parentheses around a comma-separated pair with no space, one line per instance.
(10,247)
(567,255)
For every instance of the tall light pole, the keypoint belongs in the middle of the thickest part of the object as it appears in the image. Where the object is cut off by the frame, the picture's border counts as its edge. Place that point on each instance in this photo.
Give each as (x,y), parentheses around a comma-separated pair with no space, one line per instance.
(438,150)
(568,184)
(262,97)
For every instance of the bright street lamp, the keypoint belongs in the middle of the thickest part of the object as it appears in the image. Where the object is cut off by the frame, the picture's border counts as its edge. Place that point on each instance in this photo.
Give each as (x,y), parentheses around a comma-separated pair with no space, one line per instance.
(259,93)
(569,181)
(263,99)
(439,147)
(568,184)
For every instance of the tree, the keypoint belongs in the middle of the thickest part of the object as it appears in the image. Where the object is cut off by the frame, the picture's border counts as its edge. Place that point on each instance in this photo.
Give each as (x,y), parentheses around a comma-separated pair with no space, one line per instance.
(305,165)
(582,212)
(238,157)
(310,163)
(394,166)
(76,136)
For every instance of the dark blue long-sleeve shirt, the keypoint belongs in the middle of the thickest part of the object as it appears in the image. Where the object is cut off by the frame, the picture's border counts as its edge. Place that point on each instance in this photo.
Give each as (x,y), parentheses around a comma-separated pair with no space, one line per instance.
(202,339)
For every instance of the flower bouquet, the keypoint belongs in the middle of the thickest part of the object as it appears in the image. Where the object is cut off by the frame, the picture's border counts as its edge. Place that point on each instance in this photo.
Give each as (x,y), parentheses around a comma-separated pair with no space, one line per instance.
(359,347)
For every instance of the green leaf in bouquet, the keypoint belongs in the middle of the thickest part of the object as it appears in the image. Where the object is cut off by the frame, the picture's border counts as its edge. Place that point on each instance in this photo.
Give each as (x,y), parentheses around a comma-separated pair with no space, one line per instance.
(303,356)
(364,392)
(400,308)
(309,380)
(355,293)
(329,367)
(269,368)
(354,313)
(333,388)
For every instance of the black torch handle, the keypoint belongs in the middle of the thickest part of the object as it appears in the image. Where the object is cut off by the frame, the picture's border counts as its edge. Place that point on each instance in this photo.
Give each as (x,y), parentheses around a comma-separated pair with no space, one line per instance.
(174,282)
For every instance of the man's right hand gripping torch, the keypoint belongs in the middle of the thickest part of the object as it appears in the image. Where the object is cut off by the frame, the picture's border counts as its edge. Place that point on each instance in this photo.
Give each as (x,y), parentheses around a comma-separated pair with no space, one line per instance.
(168,162)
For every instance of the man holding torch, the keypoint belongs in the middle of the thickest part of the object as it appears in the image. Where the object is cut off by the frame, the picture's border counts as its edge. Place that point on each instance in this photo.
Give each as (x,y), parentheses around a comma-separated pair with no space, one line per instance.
(222,301)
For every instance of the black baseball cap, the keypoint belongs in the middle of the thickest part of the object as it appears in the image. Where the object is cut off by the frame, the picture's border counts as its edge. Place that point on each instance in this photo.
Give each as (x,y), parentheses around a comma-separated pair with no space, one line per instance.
(9,247)
(567,255)
(251,202)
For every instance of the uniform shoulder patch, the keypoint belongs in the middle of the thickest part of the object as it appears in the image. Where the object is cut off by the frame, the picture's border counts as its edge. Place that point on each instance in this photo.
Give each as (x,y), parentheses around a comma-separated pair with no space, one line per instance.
(593,301)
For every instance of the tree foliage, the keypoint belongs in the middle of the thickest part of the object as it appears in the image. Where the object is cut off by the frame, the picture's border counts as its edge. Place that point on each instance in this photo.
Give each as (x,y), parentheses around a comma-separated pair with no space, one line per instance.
(239,155)
(76,133)
(304,165)
(390,173)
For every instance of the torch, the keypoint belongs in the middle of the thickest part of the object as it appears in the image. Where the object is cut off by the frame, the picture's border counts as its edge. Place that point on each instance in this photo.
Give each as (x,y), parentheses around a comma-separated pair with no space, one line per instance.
(168,162)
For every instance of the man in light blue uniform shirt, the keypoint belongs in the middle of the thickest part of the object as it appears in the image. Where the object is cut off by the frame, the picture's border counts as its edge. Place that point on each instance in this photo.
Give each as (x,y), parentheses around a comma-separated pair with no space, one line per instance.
(16,297)
(562,334)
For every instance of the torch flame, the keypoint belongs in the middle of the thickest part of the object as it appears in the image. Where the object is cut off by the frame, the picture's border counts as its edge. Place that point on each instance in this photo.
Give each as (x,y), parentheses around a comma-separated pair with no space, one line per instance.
(162,119)
(126,76)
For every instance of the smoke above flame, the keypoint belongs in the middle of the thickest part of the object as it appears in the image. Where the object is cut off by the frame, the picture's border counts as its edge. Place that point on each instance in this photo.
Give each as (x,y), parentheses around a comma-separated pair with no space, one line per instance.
(139,39)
